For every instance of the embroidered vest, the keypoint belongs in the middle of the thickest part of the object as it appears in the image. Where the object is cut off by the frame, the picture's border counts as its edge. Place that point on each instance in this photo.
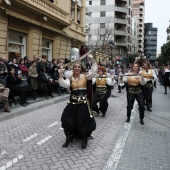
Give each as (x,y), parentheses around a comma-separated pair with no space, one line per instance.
(79,84)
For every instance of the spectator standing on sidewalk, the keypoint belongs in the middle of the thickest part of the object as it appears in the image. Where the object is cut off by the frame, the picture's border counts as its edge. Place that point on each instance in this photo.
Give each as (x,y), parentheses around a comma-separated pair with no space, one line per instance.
(77,118)
(134,91)
(166,78)
(150,75)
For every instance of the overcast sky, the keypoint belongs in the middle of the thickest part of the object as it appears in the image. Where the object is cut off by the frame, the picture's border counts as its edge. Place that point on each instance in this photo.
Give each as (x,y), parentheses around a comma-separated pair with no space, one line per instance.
(158,13)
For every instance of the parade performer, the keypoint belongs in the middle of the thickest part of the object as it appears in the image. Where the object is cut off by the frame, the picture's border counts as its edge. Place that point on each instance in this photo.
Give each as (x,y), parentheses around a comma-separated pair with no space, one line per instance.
(134,91)
(102,92)
(150,75)
(77,119)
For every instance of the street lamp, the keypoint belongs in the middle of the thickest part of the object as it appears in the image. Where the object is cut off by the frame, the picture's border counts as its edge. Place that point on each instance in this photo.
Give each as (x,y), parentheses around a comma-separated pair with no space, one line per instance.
(111,44)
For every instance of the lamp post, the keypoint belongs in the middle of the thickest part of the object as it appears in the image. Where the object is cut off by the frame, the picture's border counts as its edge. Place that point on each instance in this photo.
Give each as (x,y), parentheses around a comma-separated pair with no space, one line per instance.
(111,44)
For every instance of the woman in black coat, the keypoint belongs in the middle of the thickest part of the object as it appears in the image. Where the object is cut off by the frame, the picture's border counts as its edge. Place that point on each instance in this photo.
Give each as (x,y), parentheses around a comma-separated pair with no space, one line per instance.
(13,83)
(44,82)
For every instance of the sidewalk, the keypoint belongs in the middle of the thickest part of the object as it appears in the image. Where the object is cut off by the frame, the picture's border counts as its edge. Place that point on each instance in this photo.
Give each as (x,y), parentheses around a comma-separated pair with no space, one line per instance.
(39,103)
(145,147)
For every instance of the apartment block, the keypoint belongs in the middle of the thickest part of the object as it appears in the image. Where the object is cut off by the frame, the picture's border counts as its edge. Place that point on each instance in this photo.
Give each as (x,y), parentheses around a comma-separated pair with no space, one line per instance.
(47,28)
(150,42)
(138,12)
(109,26)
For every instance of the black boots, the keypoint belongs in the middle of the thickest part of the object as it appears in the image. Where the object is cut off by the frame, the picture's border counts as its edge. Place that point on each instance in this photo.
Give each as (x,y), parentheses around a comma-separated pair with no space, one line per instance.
(84,144)
(103,114)
(68,140)
(128,120)
(141,122)
(149,109)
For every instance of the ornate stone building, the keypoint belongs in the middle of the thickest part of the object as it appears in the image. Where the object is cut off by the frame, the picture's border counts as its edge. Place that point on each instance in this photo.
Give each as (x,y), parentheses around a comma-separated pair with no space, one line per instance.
(46,28)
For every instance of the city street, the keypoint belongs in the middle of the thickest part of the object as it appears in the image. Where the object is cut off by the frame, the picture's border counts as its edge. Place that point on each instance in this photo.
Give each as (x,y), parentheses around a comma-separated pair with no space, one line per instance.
(34,140)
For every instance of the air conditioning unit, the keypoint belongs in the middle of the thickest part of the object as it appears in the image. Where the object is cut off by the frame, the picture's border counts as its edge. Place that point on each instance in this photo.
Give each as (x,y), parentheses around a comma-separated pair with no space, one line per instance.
(86,26)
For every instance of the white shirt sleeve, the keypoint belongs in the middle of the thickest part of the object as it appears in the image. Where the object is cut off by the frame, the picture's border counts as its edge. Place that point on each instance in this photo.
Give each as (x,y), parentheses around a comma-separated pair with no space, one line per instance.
(109,81)
(93,80)
(64,83)
(143,81)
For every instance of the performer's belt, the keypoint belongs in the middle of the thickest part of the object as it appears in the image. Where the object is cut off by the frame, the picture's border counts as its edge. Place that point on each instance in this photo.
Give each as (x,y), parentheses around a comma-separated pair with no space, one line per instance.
(79,92)
(150,81)
(148,84)
(101,90)
(77,99)
(134,86)
(134,89)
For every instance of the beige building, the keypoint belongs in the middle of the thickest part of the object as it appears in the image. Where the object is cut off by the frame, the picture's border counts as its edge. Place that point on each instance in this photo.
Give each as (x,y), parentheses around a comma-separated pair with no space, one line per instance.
(47,28)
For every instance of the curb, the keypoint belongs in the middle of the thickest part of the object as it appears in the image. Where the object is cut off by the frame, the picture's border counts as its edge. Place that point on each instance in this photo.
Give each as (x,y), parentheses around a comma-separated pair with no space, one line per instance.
(33,105)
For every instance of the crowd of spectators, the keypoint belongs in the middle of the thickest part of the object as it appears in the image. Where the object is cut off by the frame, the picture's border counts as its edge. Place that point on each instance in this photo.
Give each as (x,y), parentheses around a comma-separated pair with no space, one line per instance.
(22,77)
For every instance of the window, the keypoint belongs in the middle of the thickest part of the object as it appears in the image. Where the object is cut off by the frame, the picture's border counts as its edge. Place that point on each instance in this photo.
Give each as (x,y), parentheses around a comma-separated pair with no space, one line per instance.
(90,14)
(16,44)
(90,2)
(102,2)
(47,49)
(102,37)
(102,14)
(102,25)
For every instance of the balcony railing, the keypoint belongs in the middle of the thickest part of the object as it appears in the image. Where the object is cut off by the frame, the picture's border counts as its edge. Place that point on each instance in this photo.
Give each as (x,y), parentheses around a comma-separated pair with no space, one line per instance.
(48,7)
(120,21)
(121,9)
(119,32)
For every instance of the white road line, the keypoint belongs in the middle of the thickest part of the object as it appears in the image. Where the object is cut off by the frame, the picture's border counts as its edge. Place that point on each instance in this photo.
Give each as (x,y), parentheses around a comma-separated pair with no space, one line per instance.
(10,163)
(52,124)
(29,138)
(2,153)
(44,140)
(117,150)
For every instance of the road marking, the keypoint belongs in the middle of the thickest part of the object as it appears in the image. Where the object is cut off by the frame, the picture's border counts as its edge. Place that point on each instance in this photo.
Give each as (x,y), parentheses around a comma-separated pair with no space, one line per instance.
(29,138)
(52,124)
(117,150)
(3,153)
(10,163)
(44,140)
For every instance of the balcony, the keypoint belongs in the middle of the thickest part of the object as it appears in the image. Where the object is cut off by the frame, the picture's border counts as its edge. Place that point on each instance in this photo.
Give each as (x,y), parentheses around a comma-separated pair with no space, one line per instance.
(121,9)
(120,21)
(120,32)
(120,42)
(37,8)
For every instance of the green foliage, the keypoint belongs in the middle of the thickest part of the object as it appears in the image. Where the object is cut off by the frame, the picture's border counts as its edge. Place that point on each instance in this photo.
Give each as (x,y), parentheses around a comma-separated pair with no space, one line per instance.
(165,53)
(132,58)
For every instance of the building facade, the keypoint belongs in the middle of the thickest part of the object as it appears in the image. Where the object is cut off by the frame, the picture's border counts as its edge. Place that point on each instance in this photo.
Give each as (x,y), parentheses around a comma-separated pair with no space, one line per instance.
(109,27)
(150,43)
(46,28)
(138,12)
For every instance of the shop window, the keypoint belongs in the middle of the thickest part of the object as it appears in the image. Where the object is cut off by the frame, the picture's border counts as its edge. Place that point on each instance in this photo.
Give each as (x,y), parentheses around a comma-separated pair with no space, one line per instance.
(16,44)
(47,49)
